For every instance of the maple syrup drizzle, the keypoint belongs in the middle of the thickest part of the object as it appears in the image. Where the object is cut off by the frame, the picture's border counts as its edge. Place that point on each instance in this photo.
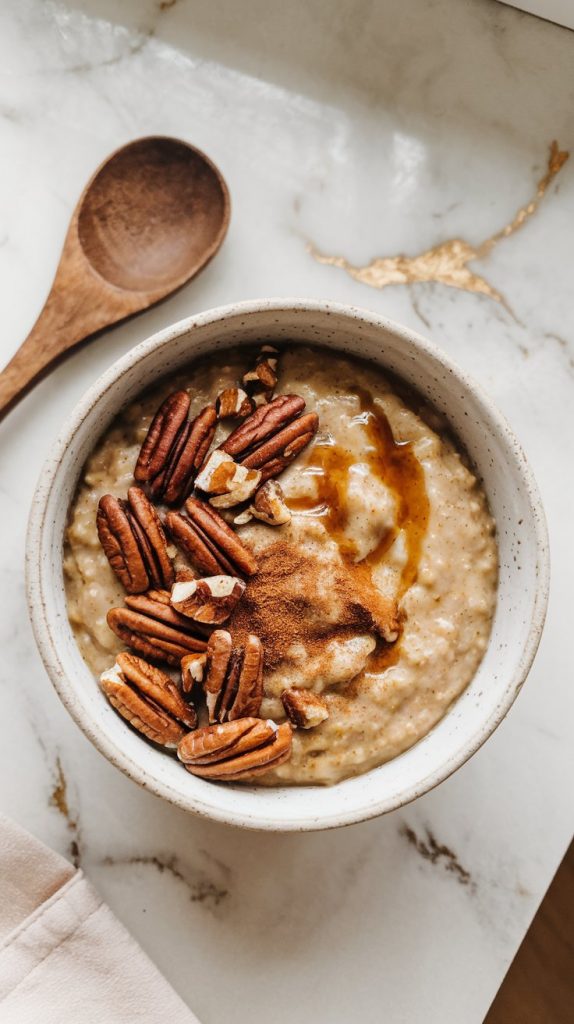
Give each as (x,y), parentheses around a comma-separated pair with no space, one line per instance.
(395,464)
(398,468)
(330,465)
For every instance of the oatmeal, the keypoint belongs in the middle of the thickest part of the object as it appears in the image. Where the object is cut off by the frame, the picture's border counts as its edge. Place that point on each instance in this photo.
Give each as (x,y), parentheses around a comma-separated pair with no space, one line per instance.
(374,588)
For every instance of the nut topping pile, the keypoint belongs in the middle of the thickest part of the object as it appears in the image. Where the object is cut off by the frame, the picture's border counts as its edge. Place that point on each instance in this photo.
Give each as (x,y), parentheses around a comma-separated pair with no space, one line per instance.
(171,618)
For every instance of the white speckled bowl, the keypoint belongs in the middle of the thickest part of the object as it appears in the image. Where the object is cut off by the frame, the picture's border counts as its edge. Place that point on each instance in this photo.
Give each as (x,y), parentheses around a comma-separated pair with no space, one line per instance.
(514,501)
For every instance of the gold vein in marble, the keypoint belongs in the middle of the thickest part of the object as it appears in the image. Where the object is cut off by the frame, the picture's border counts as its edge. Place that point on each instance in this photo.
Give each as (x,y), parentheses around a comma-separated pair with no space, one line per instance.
(59,794)
(448,262)
(59,800)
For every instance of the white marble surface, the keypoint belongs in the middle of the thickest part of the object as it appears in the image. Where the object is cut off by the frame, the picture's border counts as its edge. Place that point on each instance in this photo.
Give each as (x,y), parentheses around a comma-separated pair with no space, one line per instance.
(372,129)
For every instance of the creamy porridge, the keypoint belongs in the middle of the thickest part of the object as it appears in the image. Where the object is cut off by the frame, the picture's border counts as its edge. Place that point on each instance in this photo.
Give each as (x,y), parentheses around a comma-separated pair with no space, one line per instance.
(377,595)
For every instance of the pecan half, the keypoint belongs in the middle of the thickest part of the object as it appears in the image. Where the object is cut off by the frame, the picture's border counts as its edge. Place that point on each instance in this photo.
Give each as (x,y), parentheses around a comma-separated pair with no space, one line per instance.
(176,481)
(220,649)
(210,600)
(279,451)
(192,671)
(263,424)
(209,542)
(229,482)
(175,448)
(233,679)
(134,541)
(147,518)
(161,436)
(197,546)
(236,751)
(233,402)
(148,699)
(151,626)
(304,709)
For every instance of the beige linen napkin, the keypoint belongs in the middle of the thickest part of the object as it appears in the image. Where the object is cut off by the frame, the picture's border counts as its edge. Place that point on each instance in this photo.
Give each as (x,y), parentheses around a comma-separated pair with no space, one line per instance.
(64,958)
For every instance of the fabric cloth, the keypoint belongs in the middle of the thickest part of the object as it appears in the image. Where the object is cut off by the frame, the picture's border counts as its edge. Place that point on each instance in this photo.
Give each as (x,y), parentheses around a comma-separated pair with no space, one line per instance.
(64,957)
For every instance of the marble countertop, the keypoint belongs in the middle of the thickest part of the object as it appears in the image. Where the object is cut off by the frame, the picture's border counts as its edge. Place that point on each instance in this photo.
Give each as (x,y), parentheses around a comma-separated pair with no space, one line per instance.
(358,131)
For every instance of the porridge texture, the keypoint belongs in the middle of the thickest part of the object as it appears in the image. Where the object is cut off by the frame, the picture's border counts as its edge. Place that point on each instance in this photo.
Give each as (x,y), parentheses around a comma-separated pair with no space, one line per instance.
(386,514)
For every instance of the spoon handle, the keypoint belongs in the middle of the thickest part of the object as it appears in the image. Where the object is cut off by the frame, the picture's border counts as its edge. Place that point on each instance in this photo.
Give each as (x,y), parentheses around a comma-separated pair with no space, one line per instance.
(51,338)
(30,362)
(74,310)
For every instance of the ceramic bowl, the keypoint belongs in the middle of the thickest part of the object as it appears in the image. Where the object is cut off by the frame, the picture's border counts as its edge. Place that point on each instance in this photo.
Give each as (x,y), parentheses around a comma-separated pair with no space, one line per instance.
(513,498)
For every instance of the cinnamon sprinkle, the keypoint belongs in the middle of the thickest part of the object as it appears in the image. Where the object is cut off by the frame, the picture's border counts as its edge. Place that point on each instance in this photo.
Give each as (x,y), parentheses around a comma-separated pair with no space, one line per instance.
(297,599)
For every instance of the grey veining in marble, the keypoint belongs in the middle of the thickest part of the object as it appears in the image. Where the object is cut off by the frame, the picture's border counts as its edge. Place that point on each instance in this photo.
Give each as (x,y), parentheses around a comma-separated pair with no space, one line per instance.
(371,129)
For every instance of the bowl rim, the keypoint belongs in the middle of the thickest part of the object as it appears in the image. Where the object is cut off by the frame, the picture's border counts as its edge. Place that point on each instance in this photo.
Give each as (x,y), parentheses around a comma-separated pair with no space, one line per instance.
(36,573)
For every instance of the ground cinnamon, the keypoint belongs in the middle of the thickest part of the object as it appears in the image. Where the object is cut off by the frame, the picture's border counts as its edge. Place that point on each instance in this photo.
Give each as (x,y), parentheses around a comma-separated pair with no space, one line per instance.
(296,599)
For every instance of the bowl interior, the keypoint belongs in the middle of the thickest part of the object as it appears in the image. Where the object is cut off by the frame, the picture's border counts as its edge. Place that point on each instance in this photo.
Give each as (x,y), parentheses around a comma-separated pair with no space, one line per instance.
(521,537)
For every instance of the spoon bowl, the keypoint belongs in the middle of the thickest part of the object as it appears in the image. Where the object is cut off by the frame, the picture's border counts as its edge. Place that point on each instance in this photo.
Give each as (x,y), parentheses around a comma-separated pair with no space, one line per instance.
(153,215)
(149,220)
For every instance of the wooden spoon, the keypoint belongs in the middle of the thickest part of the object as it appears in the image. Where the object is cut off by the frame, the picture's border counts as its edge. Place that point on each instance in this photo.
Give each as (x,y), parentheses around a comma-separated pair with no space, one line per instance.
(151,218)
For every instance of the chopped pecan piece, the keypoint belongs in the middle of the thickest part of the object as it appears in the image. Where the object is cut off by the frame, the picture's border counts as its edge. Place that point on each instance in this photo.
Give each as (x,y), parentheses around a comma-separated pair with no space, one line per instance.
(175,448)
(269,505)
(236,751)
(233,402)
(269,354)
(228,481)
(275,454)
(149,699)
(209,542)
(151,626)
(216,473)
(192,671)
(263,424)
(304,708)
(243,517)
(243,485)
(260,382)
(233,679)
(210,600)
(134,541)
